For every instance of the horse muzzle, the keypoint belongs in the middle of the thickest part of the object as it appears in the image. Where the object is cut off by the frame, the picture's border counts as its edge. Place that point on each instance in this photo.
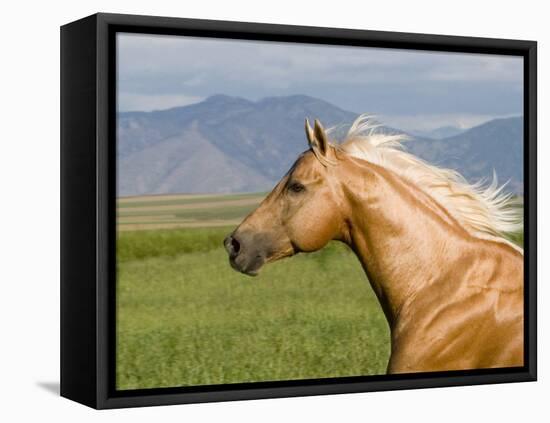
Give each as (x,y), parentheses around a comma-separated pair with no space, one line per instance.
(245,254)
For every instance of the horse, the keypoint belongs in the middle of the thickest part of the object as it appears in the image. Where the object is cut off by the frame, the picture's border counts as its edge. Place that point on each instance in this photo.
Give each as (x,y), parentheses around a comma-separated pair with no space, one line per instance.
(431,244)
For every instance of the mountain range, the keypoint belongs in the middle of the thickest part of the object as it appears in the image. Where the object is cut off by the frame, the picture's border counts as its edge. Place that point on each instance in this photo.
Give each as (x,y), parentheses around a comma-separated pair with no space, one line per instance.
(440,132)
(229,144)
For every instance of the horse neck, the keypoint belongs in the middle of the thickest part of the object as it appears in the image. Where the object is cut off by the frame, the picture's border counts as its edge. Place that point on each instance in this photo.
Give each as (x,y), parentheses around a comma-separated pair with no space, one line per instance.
(401,235)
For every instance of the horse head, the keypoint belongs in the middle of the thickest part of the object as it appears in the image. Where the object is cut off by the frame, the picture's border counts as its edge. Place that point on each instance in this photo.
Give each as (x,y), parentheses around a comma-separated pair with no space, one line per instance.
(301,214)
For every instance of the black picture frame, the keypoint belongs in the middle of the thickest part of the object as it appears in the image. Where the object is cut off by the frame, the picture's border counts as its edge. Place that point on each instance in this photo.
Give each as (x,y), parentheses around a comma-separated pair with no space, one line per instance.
(88,214)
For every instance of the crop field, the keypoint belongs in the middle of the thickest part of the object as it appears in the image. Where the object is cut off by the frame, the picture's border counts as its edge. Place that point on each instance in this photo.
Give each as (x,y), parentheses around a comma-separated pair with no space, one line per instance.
(184,317)
(184,211)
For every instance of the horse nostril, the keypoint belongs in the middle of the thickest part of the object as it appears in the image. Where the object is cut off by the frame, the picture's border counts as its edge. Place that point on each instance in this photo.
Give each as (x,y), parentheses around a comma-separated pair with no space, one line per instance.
(235,245)
(232,245)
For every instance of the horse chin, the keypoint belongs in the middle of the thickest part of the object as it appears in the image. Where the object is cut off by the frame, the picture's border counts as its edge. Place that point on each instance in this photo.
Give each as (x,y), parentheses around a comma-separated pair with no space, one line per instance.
(252,273)
(249,267)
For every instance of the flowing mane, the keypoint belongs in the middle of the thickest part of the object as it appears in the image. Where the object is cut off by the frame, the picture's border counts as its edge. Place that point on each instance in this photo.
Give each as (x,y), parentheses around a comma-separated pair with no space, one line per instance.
(484,210)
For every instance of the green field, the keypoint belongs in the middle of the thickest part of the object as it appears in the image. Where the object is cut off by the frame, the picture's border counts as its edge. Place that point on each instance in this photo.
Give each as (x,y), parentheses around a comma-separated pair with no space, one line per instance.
(184,317)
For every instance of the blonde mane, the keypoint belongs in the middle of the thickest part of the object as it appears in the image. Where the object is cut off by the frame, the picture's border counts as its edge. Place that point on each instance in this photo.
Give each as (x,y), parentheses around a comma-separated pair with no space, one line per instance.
(484,210)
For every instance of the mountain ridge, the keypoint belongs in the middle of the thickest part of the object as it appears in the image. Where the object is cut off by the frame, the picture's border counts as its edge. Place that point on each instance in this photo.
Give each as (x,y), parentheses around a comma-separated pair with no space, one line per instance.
(231,144)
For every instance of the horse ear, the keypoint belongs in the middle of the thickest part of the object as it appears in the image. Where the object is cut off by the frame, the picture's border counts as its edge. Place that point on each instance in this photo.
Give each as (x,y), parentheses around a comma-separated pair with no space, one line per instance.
(317,138)
(321,137)
(309,134)
(318,142)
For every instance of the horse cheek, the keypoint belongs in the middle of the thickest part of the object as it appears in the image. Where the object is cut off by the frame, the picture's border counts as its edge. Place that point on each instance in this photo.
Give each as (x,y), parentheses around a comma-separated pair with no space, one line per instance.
(311,234)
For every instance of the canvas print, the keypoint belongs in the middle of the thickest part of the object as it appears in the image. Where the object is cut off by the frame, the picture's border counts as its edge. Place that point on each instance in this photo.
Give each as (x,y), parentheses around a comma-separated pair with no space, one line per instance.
(292,211)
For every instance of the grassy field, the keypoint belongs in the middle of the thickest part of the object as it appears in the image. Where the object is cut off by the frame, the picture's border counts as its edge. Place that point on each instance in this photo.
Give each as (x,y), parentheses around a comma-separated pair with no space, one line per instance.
(184,317)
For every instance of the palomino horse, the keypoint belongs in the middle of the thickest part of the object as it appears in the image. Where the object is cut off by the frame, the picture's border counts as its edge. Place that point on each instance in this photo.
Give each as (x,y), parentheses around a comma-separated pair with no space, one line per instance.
(450,285)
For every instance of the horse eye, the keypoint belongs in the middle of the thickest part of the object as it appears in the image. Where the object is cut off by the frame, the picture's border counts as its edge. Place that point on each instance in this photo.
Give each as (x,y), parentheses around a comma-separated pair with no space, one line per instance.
(296,187)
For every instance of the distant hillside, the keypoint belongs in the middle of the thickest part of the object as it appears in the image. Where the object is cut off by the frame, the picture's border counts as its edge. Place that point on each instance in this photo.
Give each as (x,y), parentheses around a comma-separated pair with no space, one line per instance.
(497,144)
(227,144)
(223,144)
(438,133)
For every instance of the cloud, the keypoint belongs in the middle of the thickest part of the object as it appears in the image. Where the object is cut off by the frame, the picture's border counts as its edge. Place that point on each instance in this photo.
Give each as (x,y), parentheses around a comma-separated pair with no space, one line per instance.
(150,102)
(387,81)
(428,122)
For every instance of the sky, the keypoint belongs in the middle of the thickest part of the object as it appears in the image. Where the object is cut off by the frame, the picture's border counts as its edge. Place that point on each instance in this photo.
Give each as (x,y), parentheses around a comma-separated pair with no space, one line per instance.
(407,89)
